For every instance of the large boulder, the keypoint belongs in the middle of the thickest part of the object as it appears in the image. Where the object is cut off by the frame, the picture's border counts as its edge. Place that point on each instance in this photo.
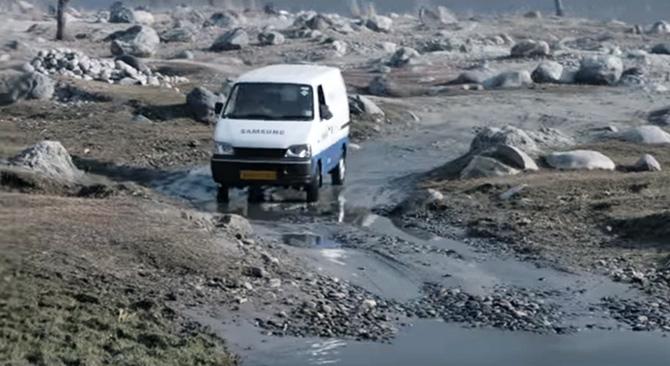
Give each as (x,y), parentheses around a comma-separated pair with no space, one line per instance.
(440,16)
(31,85)
(379,23)
(647,163)
(512,156)
(484,167)
(403,56)
(531,48)
(660,117)
(178,34)
(271,38)
(227,19)
(548,72)
(119,13)
(660,27)
(580,160)
(661,49)
(139,41)
(363,106)
(50,159)
(645,135)
(235,39)
(490,137)
(201,103)
(509,79)
(600,70)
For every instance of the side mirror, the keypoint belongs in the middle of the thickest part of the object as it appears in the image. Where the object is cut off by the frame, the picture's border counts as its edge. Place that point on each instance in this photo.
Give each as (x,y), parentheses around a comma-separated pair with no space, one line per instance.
(218,108)
(325,112)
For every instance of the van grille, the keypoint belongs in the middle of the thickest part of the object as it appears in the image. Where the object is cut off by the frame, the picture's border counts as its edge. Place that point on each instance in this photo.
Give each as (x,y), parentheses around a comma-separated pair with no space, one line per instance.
(259,153)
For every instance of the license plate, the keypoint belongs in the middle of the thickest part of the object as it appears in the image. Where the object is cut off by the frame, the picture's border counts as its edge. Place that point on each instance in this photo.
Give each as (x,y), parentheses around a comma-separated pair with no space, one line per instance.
(258,175)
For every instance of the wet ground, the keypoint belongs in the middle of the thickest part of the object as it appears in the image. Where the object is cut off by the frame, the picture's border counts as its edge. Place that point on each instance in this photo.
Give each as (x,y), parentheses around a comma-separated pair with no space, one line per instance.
(343,237)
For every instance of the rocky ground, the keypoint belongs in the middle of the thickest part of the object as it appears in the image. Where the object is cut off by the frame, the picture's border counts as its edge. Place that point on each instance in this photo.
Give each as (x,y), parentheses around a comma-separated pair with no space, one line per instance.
(106,268)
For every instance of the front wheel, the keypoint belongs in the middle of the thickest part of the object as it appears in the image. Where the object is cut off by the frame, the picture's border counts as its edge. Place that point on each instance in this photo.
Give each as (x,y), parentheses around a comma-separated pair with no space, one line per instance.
(314,186)
(338,175)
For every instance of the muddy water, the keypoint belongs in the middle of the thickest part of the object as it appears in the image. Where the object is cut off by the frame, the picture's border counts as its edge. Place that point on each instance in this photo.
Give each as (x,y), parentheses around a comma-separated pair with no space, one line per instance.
(380,173)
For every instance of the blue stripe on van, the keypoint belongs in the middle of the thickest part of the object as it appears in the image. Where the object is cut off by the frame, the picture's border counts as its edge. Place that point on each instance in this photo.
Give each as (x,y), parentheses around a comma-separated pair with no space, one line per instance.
(331,156)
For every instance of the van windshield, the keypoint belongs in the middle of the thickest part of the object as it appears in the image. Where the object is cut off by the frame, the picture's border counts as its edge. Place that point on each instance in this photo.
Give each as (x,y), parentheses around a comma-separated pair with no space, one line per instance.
(271,102)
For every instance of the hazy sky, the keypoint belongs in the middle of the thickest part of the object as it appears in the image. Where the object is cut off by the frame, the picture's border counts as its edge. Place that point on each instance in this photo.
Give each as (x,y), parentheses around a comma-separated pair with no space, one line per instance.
(643,11)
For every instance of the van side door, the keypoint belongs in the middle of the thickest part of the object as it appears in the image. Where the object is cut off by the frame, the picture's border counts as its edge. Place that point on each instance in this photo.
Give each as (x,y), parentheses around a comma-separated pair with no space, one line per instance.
(327,129)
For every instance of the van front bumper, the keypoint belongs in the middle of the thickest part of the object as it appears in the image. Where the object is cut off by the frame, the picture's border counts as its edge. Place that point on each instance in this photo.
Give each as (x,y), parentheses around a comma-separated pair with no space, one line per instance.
(228,171)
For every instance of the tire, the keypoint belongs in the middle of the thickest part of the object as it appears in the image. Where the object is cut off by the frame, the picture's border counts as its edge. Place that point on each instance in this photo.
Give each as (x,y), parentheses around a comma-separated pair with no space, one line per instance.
(314,186)
(223,194)
(255,195)
(338,175)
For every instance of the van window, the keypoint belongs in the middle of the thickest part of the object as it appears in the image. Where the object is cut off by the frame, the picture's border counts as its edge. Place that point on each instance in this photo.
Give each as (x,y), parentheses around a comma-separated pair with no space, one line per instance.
(271,102)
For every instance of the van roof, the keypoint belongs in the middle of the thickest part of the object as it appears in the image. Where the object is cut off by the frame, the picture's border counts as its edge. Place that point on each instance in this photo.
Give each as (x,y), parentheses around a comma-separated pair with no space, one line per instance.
(293,74)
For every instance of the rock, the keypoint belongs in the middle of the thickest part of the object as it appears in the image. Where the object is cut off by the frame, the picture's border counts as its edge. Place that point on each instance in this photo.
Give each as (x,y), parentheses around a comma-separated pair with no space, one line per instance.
(483,167)
(388,47)
(645,135)
(380,23)
(660,117)
(15,86)
(440,16)
(403,57)
(512,192)
(491,137)
(5,57)
(340,48)
(133,62)
(661,49)
(580,160)
(256,272)
(660,27)
(548,72)
(361,105)
(274,282)
(236,224)
(512,156)
(128,70)
(178,34)
(232,40)
(271,38)
(50,159)
(228,19)
(119,13)
(531,48)
(128,81)
(380,86)
(318,22)
(202,102)
(509,79)
(476,76)
(143,17)
(599,70)
(647,163)
(139,40)
(185,55)
(533,15)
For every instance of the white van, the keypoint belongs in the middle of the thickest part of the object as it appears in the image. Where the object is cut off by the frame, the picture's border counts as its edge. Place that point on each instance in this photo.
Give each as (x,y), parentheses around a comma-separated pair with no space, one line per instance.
(283,125)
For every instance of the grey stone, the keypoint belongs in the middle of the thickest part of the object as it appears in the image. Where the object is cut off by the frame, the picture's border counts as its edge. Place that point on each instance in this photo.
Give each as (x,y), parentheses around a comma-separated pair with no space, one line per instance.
(228,19)
(509,79)
(178,34)
(236,224)
(403,56)
(648,163)
(548,72)
(476,76)
(661,49)
(483,167)
(318,22)
(133,62)
(202,102)
(362,105)
(139,41)
(660,27)
(185,55)
(379,23)
(580,160)
(15,86)
(531,48)
(232,40)
(645,135)
(271,38)
(119,13)
(512,156)
(490,137)
(660,117)
(143,17)
(50,159)
(599,70)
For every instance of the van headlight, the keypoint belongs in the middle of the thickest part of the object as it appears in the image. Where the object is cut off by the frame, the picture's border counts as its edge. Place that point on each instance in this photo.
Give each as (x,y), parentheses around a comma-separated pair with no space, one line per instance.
(299,151)
(222,148)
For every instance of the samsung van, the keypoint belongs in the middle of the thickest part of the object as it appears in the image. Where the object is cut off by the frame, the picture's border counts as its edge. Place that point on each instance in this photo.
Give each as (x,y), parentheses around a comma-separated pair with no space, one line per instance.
(282,125)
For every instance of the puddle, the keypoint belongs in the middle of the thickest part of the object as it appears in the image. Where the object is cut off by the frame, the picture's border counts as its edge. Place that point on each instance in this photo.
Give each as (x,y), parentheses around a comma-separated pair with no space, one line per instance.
(434,343)
(309,241)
